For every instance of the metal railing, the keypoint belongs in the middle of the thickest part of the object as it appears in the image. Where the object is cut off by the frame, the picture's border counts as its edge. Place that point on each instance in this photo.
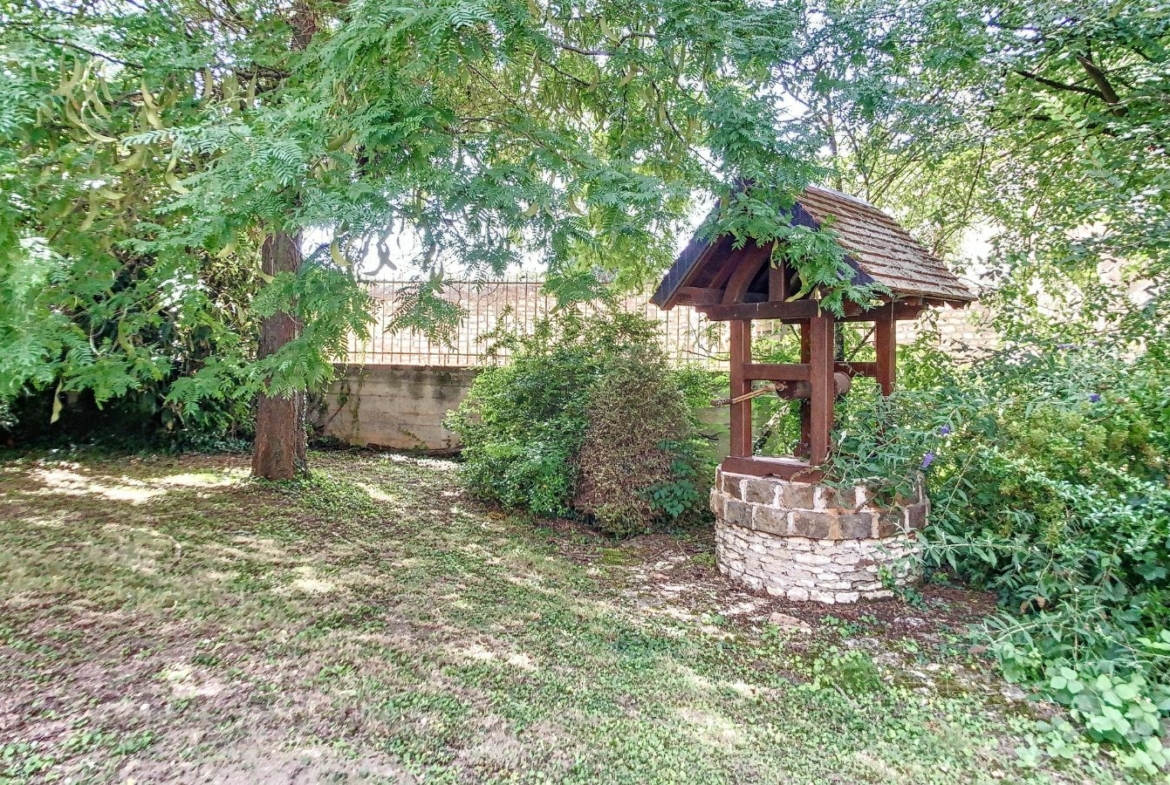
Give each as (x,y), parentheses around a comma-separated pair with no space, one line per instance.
(687,337)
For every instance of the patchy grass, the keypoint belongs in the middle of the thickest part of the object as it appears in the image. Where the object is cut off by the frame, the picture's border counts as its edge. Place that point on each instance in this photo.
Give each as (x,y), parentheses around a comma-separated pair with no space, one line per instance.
(168,619)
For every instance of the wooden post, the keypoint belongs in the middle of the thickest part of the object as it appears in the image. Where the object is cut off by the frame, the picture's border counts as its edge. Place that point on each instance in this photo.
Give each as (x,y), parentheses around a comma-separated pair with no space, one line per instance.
(885,344)
(777,286)
(805,418)
(741,413)
(820,330)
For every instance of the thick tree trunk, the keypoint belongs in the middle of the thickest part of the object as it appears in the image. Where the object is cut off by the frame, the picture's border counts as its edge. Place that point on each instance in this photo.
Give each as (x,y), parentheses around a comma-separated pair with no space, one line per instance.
(279,450)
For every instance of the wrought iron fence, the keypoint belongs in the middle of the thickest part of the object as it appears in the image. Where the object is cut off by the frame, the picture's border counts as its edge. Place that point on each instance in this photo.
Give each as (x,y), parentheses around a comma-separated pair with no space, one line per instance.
(687,337)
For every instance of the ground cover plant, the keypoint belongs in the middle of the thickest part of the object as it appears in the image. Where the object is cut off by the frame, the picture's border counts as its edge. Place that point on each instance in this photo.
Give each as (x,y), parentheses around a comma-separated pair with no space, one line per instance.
(165,617)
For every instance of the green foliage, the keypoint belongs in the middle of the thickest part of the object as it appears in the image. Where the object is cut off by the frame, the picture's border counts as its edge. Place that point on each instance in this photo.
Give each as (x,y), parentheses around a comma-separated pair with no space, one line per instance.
(1047,468)
(114,290)
(171,138)
(638,461)
(586,417)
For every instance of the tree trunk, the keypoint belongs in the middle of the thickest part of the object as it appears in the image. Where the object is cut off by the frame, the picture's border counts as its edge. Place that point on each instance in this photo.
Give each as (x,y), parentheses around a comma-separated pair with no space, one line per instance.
(279,450)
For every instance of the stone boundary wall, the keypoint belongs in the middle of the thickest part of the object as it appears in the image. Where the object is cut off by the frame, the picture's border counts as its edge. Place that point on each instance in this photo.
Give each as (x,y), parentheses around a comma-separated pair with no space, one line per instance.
(809,542)
(398,407)
(401,407)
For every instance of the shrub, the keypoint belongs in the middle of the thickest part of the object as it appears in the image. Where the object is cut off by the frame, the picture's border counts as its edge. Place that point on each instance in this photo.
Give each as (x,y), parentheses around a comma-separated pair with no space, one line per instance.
(1047,468)
(580,390)
(637,462)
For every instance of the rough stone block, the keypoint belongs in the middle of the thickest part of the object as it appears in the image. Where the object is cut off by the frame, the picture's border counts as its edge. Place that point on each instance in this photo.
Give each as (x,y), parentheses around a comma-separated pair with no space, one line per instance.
(881,594)
(825,498)
(847,558)
(717,498)
(813,525)
(848,596)
(797,495)
(826,597)
(916,516)
(738,513)
(771,520)
(855,525)
(814,559)
(889,523)
(760,491)
(917,496)
(731,484)
(798,595)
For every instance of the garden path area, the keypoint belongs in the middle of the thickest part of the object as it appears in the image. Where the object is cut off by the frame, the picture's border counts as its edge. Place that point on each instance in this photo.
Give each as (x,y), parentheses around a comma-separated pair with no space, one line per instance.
(166,619)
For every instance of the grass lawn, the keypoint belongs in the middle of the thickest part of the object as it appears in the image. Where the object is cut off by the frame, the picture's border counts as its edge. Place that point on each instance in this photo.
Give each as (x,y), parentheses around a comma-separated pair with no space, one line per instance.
(166,619)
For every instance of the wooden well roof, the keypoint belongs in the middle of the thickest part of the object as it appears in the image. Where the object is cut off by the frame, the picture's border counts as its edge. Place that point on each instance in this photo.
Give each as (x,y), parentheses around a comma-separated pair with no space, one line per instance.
(878,249)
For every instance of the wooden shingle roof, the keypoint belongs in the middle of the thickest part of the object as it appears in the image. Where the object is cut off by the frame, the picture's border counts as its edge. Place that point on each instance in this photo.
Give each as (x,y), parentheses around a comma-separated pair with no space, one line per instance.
(877,247)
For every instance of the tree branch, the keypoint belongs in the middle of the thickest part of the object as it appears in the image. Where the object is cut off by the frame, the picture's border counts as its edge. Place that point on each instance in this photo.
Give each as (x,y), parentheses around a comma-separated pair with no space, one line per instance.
(1099,77)
(77,47)
(598,52)
(1072,88)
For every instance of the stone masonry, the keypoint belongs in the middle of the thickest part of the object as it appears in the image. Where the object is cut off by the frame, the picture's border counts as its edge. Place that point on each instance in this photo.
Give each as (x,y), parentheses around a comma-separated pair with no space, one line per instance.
(806,541)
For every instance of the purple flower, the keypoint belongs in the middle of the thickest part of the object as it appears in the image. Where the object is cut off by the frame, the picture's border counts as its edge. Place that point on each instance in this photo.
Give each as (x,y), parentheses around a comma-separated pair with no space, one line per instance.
(943,431)
(927,460)
(1094,398)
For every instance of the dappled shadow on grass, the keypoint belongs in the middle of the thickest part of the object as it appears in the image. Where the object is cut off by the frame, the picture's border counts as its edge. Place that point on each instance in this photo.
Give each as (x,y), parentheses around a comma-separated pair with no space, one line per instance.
(373,620)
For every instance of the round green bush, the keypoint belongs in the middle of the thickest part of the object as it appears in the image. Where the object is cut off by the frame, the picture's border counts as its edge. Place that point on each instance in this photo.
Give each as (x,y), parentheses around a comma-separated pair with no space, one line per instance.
(587,419)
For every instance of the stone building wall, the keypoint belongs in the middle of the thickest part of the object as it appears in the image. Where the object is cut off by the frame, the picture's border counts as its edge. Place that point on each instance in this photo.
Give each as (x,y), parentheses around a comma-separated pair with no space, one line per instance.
(960,330)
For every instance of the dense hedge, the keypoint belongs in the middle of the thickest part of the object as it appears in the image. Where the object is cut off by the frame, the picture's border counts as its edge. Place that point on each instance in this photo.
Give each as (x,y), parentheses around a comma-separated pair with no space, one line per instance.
(586,419)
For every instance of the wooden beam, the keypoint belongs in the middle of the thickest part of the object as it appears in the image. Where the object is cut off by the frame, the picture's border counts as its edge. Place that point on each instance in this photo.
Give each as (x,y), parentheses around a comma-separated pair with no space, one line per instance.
(856,369)
(726,268)
(885,343)
(776,372)
(741,413)
(901,312)
(694,295)
(823,390)
(785,468)
(800,310)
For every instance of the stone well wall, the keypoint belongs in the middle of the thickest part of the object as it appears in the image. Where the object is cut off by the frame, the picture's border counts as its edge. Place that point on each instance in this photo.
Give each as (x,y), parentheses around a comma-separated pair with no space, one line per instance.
(805,541)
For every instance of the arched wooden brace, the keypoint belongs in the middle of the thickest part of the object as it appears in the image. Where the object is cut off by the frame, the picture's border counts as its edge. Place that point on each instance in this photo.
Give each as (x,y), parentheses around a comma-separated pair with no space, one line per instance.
(744,274)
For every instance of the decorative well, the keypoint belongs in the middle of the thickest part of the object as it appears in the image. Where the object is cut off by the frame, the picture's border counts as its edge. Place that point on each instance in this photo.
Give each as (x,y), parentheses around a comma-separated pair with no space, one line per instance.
(778,527)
